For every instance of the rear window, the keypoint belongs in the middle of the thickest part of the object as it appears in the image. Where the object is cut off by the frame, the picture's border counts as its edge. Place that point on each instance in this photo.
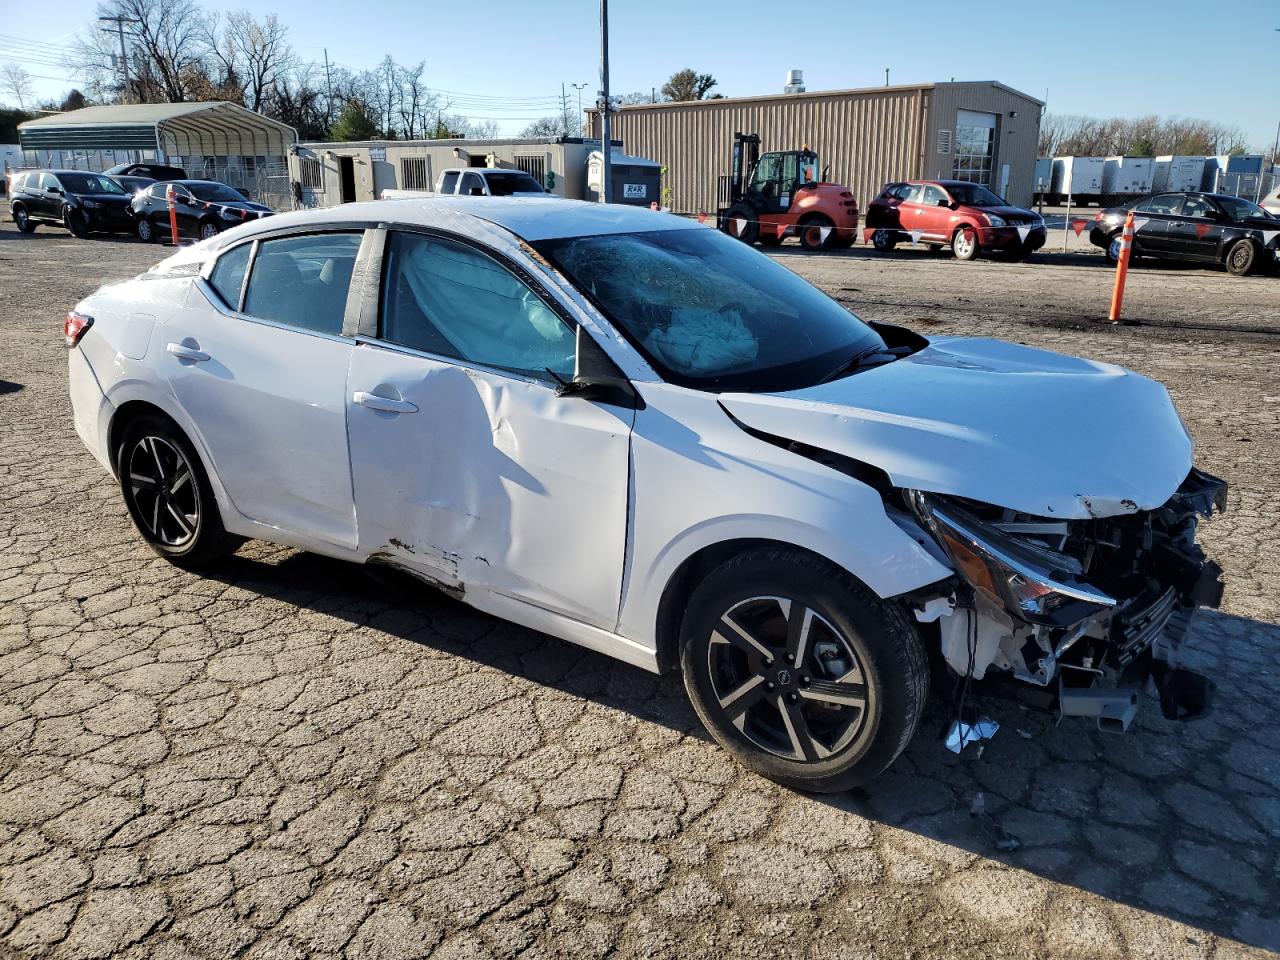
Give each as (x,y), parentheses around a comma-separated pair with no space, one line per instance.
(303,281)
(505,184)
(228,274)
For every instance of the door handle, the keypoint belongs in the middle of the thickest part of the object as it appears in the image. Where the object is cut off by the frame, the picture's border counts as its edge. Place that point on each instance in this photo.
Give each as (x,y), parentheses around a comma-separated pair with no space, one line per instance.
(383,404)
(183,352)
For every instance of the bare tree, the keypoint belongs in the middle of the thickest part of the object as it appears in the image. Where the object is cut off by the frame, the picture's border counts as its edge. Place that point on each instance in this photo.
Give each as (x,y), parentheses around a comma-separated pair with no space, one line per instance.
(165,48)
(261,52)
(548,128)
(686,84)
(1062,135)
(15,82)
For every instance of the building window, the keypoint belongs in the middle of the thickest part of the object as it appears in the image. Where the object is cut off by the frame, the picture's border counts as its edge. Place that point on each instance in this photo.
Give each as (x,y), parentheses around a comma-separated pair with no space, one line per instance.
(974,147)
(415,173)
(311,172)
(944,141)
(535,167)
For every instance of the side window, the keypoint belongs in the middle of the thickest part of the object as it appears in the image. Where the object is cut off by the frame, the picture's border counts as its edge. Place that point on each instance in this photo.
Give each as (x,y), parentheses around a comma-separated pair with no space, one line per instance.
(303,281)
(933,196)
(910,192)
(228,274)
(449,182)
(49,182)
(446,298)
(1166,203)
(471,182)
(1197,207)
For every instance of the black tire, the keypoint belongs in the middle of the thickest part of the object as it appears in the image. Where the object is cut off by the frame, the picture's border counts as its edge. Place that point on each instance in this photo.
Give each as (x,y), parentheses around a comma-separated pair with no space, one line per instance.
(937,247)
(168,494)
(1242,258)
(964,243)
(811,232)
(145,229)
(23,221)
(843,243)
(824,741)
(207,230)
(884,240)
(745,214)
(770,240)
(1112,250)
(74,221)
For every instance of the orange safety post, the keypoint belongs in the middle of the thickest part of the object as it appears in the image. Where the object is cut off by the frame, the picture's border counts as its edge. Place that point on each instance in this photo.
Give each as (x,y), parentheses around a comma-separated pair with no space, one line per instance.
(173,214)
(1122,268)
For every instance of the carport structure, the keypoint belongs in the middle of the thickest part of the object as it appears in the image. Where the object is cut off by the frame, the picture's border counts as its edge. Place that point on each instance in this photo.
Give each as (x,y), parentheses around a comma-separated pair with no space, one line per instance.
(217,140)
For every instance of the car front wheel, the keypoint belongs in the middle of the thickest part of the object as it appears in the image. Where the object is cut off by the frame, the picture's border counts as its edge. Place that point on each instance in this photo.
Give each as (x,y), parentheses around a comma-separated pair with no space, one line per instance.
(208,230)
(1241,258)
(884,240)
(145,229)
(76,222)
(964,243)
(800,671)
(168,494)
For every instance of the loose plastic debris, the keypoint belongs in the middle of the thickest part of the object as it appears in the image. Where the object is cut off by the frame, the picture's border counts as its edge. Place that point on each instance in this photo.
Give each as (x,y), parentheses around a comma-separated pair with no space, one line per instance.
(962,734)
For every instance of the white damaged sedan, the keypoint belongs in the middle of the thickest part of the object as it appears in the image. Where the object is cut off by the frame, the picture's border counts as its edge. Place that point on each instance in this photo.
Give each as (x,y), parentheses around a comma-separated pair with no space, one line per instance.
(635,433)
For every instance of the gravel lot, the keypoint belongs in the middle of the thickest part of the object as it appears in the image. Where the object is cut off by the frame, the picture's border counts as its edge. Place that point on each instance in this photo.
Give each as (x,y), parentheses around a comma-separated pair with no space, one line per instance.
(289,758)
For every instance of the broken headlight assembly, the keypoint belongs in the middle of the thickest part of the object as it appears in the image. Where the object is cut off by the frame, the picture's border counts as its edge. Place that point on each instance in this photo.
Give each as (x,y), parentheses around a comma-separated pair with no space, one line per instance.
(1031,581)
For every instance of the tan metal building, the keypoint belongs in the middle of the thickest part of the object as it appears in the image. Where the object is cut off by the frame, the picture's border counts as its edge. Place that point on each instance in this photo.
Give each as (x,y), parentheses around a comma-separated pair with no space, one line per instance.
(333,173)
(981,131)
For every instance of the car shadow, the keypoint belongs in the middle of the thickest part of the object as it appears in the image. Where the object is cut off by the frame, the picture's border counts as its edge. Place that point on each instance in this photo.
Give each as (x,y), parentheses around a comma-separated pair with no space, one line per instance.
(1179,820)
(8,386)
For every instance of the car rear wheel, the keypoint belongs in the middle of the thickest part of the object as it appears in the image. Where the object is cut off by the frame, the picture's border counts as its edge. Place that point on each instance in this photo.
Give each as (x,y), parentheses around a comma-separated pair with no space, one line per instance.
(964,243)
(168,494)
(812,233)
(884,240)
(800,671)
(1242,258)
(23,220)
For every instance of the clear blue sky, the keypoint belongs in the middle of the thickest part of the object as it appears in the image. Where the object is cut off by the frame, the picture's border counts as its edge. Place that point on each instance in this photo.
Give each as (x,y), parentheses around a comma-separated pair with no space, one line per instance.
(1102,57)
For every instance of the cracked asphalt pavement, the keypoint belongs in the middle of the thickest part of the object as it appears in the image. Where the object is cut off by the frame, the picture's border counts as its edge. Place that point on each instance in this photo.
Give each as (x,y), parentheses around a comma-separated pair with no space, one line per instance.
(289,757)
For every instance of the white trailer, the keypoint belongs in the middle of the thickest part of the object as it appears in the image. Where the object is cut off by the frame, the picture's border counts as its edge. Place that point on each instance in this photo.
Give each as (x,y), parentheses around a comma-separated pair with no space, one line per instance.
(1077,177)
(1174,174)
(1126,176)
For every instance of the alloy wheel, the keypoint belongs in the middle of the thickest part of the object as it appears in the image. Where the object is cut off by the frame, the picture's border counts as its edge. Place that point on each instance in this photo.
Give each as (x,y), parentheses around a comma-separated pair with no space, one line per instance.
(208,230)
(145,230)
(964,243)
(20,218)
(787,679)
(164,491)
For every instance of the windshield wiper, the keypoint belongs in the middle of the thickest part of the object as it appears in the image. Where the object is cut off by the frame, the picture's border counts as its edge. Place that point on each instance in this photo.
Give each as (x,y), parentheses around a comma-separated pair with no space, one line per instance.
(862,360)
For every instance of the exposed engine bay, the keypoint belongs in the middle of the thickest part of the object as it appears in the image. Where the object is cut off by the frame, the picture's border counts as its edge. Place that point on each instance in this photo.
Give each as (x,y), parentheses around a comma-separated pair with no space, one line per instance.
(1078,612)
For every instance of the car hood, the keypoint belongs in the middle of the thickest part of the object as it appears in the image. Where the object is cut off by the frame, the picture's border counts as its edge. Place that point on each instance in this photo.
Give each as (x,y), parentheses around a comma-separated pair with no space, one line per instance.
(1029,430)
(111,198)
(1007,212)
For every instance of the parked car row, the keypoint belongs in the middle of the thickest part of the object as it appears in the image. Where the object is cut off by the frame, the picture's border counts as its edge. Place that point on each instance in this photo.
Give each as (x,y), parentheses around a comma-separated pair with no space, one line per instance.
(127,200)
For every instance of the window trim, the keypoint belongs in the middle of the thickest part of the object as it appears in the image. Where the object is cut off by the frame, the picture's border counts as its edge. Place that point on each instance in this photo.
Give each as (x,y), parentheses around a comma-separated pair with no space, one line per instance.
(512,266)
(346,334)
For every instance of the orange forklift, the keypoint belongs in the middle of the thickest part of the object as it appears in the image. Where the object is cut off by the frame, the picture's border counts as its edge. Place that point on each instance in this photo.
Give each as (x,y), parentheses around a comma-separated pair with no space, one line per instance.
(778,195)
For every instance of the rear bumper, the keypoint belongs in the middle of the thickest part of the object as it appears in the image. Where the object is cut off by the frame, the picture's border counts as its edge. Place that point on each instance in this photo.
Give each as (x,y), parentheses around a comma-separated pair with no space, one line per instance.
(90,407)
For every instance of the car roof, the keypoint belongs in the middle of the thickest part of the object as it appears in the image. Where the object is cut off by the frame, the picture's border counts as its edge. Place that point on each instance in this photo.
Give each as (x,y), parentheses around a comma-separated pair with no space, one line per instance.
(530,218)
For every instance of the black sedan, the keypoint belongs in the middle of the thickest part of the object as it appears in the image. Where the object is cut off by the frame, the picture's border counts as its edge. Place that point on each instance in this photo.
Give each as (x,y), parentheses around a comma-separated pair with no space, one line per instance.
(204,208)
(1204,227)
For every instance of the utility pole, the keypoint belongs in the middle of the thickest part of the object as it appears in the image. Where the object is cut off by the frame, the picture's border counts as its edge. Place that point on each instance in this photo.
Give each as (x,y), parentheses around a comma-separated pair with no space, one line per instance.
(886,76)
(328,86)
(124,58)
(579,87)
(606,126)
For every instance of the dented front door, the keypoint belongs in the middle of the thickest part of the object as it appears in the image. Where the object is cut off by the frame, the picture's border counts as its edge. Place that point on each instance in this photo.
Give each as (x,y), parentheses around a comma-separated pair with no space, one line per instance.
(485,480)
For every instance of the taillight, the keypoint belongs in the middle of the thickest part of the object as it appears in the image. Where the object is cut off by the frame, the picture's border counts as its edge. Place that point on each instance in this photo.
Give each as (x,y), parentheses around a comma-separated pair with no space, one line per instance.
(75,327)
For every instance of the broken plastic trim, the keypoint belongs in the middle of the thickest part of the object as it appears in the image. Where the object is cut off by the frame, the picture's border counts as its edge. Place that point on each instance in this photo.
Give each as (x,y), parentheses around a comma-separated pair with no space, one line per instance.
(1007,571)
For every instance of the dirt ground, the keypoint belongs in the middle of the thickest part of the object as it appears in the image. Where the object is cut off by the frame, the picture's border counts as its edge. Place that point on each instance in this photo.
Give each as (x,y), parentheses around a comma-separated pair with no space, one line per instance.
(289,758)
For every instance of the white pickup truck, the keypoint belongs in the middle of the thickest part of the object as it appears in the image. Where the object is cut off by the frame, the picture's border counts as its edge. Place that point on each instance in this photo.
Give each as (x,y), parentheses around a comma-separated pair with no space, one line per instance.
(477,182)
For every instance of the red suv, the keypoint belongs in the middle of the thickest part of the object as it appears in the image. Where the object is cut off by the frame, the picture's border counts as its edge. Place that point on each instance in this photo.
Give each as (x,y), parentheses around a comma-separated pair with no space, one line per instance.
(965,216)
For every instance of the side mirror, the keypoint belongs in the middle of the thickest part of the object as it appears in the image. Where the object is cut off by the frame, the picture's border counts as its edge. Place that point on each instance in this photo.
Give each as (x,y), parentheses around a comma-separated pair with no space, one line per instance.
(57,190)
(597,378)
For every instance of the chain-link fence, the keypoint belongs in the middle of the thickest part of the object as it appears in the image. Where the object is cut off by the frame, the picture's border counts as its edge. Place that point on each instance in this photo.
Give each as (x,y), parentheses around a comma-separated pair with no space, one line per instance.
(1249,186)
